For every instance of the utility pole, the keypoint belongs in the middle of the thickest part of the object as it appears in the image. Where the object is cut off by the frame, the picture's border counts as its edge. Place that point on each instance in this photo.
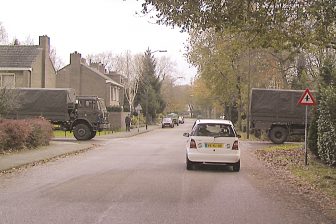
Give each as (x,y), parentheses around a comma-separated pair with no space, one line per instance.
(146,106)
(248,95)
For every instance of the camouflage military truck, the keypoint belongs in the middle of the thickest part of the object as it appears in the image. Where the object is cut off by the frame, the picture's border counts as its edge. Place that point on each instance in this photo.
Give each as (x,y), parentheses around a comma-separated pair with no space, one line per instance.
(277,113)
(84,115)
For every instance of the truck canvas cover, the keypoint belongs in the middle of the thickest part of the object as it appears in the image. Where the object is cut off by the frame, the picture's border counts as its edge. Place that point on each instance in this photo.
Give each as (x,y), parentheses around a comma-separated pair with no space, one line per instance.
(51,103)
(277,105)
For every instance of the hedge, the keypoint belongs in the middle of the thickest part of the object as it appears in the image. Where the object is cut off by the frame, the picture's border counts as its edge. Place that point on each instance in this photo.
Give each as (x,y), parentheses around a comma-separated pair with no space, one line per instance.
(24,134)
(327,126)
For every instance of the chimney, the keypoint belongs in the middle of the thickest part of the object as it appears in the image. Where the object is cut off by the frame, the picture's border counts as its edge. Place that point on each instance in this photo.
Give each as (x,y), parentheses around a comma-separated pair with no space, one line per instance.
(98,66)
(101,68)
(75,58)
(94,65)
(75,72)
(44,43)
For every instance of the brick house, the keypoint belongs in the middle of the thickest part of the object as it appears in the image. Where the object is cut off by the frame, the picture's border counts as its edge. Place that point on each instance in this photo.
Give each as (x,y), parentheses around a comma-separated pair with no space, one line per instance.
(90,80)
(27,65)
(121,80)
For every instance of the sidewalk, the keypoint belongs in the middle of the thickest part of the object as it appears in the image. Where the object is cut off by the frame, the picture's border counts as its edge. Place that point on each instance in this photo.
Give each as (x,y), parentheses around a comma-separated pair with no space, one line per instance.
(59,147)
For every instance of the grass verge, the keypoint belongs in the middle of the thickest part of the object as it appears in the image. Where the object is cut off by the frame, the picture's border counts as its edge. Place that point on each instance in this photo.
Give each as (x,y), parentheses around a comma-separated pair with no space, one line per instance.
(68,134)
(291,158)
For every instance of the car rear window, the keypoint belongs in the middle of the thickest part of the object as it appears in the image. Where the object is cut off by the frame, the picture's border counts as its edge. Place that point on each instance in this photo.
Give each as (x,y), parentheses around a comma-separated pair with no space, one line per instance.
(213,130)
(166,119)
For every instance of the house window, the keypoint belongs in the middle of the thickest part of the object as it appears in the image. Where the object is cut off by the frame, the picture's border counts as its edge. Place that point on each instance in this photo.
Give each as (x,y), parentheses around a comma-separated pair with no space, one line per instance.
(111,94)
(117,93)
(7,80)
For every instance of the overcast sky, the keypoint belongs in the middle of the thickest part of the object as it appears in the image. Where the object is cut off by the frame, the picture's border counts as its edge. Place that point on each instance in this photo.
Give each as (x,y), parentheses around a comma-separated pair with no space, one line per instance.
(93,26)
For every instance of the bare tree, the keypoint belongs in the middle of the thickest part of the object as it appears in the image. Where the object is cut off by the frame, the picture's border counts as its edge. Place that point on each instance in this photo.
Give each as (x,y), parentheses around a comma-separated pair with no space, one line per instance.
(57,61)
(130,67)
(3,34)
(109,60)
(28,41)
(165,66)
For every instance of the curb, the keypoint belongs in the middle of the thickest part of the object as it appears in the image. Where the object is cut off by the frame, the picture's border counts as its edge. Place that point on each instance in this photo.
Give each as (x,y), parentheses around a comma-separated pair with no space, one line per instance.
(36,162)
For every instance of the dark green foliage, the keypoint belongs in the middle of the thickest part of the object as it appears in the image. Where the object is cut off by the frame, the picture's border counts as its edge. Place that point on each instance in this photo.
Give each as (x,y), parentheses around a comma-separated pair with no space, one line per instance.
(114,109)
(269,23)
(328,74)
(327,126)
(312,134)
(327,115)
(149,91)
(126,106)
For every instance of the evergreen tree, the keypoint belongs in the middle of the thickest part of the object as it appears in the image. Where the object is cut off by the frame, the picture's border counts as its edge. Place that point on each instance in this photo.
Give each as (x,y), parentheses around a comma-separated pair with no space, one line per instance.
(149,92)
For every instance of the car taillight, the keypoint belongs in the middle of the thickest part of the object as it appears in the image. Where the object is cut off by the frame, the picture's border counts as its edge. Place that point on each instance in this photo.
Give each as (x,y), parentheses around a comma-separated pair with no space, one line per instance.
(192,144)
(235,145)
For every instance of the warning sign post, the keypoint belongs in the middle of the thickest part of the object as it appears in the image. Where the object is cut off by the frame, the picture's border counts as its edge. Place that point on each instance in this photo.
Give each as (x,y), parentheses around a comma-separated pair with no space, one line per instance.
(306,99)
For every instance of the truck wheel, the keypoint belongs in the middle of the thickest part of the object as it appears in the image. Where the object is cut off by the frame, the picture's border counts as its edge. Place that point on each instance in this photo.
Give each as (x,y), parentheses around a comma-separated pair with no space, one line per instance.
(257,133)
(93,134)
(278,135)
(82,132)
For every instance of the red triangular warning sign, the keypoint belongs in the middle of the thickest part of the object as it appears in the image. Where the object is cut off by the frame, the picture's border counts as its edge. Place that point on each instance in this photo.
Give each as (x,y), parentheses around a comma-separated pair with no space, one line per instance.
(307,98)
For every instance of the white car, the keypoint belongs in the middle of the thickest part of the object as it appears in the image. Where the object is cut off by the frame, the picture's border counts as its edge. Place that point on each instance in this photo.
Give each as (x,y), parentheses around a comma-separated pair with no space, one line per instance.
(167,121)
(213,142)
(181,119)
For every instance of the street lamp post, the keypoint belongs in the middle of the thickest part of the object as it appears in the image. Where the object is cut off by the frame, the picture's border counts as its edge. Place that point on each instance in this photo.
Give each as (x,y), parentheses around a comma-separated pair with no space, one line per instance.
(138,110)
(146,107)
(161,51)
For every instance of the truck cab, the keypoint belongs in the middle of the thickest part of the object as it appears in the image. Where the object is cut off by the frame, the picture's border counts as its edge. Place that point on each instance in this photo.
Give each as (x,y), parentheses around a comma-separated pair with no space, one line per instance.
(92,116)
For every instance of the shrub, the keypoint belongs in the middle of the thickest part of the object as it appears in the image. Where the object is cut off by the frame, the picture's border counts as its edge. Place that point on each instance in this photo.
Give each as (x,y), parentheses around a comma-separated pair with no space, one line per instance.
(327,126)
(15,133)
(135,119)
(114,109)
(41,133)
(19,134)
(313,134)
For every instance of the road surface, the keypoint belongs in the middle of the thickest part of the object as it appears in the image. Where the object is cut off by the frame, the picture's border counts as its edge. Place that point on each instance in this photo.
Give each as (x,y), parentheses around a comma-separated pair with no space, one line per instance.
(143,179)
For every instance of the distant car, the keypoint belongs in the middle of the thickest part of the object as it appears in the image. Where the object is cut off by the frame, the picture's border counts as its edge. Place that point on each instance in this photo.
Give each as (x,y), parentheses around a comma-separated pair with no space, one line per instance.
(181,119)
(167,122)
(174,117)
(213,142)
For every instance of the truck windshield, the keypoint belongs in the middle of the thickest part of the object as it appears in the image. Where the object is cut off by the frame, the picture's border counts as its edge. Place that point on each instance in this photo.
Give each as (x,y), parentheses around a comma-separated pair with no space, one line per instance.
(86,104)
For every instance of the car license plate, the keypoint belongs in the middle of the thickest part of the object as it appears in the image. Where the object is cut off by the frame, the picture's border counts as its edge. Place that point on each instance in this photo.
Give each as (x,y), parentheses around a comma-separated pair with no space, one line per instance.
(213,145)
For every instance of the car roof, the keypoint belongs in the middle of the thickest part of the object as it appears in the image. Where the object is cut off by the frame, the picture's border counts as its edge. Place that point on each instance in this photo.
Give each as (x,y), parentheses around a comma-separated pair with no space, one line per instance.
(213,121)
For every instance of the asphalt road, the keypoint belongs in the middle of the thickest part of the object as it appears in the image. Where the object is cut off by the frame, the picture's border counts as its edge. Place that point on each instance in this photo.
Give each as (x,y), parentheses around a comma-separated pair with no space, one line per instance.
(142,179)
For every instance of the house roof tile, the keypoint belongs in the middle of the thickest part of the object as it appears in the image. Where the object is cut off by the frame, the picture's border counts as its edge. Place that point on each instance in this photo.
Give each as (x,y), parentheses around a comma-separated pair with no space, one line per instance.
(18,56)
(103,76)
